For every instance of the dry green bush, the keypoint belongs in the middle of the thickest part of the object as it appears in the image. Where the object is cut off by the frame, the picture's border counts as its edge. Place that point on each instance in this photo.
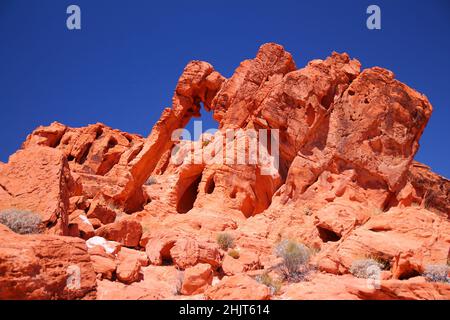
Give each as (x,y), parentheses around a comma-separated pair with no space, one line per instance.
(437,273)
(365,268)
(225,240)
(294,266)
(21,222)
(273,284)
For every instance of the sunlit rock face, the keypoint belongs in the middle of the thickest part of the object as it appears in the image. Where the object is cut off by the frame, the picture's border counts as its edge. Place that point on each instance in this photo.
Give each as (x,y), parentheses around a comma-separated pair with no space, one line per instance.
(321,155)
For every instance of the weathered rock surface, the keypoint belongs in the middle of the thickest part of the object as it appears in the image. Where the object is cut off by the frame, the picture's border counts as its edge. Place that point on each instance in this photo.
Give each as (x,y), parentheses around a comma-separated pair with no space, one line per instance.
(126,231)
(346,185)
(326,287)
(80,225)
(38,179)
(104,263)
(238,287)
(128,270)
(157,283)
(44,267)
(408,239)
(427,189)
(196,279)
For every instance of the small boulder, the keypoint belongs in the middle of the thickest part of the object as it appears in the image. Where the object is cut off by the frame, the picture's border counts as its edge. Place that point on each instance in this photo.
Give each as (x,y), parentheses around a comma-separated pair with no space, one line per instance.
(238,287)
(197,279)
(104,263)
(127,253)
(110,247)
(127,232)
(102,212)
(82,223)
(189,252)
(128,270)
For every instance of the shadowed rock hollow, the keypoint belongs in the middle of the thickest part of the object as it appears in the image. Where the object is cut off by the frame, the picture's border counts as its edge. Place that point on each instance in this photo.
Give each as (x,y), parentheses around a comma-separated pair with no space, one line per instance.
(346,186)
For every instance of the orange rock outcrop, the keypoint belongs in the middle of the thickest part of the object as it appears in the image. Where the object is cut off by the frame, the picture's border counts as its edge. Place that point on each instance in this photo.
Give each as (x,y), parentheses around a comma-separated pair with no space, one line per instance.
(140,225)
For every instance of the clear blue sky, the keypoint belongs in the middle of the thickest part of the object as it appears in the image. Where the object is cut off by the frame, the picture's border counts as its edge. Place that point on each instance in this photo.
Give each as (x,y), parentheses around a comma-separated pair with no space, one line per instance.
(122,67)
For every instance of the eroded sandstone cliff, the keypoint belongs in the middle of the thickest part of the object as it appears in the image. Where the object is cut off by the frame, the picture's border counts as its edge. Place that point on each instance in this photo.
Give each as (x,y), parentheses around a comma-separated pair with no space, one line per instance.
(346,186)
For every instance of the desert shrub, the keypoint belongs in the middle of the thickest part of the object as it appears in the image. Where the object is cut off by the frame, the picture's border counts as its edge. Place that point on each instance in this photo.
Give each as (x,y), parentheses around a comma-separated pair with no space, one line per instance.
(273,284)
(22,222)
(225,240)
(151,181)
(294,266)
(385,264)
(437,273)
(365,268)
(234,254)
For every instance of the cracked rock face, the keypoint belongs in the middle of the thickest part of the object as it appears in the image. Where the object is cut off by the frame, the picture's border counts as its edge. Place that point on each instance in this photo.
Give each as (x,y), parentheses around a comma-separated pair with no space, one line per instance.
(44,267)
(346,186)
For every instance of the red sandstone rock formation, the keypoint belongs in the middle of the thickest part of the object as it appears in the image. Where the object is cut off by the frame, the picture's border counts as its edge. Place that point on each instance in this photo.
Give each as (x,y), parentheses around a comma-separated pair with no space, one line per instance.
(42,267)
(38,179)
(346,186)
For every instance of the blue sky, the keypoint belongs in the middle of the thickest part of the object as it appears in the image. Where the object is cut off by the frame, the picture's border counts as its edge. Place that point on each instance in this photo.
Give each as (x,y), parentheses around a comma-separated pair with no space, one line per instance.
(122,67)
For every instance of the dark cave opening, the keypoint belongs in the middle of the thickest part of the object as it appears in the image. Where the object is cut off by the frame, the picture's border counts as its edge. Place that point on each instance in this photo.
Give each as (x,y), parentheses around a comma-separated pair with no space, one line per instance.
(187,200)
(210,185)
(165,254)
(407,274)
(328,235)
